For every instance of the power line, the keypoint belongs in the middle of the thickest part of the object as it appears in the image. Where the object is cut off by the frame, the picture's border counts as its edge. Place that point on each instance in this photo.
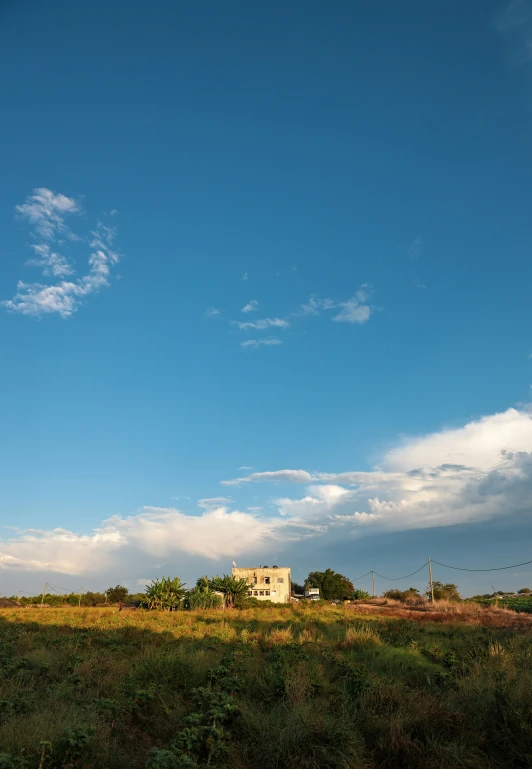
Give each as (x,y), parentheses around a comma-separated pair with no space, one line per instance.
(405,577)
(57,588)
(499,568)
(362,577)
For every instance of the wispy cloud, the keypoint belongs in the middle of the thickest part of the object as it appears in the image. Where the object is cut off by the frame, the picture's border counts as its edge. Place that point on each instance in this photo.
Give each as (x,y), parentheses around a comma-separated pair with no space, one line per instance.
(46,211)
(353,310)
(263,323)
(255,343)
(287,476)
(213,503)
(315,305)
(211,312)
(356,309)
(515,21)
(50,262)
(416,248)
(245,276)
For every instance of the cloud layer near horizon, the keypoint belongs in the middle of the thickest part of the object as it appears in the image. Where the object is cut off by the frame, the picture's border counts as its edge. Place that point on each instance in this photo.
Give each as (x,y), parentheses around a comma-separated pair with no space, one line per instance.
(474,473)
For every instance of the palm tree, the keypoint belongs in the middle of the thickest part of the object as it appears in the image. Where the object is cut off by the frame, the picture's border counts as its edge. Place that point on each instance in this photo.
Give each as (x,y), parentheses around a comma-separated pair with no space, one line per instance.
(165,593)
(202,597)
(234,590)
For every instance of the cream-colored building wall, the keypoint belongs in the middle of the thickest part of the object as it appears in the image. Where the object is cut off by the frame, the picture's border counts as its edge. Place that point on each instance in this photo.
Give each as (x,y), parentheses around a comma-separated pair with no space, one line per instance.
(267,584)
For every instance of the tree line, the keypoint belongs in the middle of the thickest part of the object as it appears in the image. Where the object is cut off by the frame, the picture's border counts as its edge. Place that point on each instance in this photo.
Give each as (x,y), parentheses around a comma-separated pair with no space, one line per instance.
(214,592)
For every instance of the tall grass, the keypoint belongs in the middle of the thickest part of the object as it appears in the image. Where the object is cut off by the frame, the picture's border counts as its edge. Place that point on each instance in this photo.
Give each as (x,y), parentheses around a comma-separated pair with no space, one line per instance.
(306,687)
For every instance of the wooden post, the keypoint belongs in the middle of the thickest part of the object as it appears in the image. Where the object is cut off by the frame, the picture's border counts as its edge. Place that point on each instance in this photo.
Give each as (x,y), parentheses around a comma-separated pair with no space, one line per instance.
(431,584)
(43,592)
(373,583)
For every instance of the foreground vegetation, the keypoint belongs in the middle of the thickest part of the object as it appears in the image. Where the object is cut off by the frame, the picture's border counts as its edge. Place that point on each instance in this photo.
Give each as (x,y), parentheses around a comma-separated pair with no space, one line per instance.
(298,686)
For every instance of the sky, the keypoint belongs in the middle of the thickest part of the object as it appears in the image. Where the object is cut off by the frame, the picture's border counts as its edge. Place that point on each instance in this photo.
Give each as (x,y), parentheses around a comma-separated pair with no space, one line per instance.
(265,290)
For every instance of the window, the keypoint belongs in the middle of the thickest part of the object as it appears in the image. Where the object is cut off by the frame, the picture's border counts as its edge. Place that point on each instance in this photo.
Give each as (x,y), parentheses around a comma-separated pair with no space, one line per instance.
(250,592)
(261,592)
(255,592)
(267,580)
(280,579)
(274,592)
(266,592)
(254,580)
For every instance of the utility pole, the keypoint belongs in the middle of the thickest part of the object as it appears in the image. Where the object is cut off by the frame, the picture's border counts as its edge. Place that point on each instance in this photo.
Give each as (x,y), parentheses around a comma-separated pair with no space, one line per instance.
(43,592)
(431,584)
(373,583)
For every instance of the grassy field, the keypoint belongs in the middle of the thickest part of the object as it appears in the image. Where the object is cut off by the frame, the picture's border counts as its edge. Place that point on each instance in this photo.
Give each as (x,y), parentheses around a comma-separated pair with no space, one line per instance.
(302,686)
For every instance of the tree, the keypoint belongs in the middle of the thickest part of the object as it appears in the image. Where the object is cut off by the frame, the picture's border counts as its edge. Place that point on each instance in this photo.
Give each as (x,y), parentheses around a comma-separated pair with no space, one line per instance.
(202,597)
(117,594)
(165,593)
(235,590)
(332,586)
(524,590)
(93,599)
(447,592)
(297,589)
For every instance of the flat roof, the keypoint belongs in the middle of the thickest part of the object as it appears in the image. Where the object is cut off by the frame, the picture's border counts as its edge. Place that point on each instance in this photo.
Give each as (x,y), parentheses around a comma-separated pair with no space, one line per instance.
(260,568)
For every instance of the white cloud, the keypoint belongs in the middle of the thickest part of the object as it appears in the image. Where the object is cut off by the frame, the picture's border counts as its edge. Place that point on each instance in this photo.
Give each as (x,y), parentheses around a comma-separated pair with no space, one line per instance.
(291,476)
(60,550)
(210,503)
(263,323)
(356,309)
(473,473)
(155,532)
(46,211)
(245,276)
(353,310)
(50,262)
(255,343)
(315,305)
(318,503)
(211,312)
(416,248)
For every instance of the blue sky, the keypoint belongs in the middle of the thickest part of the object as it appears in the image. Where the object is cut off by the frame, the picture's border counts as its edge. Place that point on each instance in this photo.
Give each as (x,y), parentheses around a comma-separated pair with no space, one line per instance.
(287,237)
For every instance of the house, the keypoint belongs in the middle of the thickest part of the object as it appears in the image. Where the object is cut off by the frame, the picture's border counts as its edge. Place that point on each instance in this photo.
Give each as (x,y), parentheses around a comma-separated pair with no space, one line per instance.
(266,583)
(312,593)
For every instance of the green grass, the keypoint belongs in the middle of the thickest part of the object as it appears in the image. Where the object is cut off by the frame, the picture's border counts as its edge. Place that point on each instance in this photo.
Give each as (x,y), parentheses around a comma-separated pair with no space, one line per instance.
(302,687)
(515,603)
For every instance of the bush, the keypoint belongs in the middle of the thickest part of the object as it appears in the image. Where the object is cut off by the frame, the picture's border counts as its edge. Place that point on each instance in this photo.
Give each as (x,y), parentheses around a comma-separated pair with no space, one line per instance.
(410,595)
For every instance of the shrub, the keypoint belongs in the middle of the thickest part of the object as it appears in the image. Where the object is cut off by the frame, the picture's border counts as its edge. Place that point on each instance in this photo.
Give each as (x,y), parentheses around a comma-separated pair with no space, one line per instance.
(402,595)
